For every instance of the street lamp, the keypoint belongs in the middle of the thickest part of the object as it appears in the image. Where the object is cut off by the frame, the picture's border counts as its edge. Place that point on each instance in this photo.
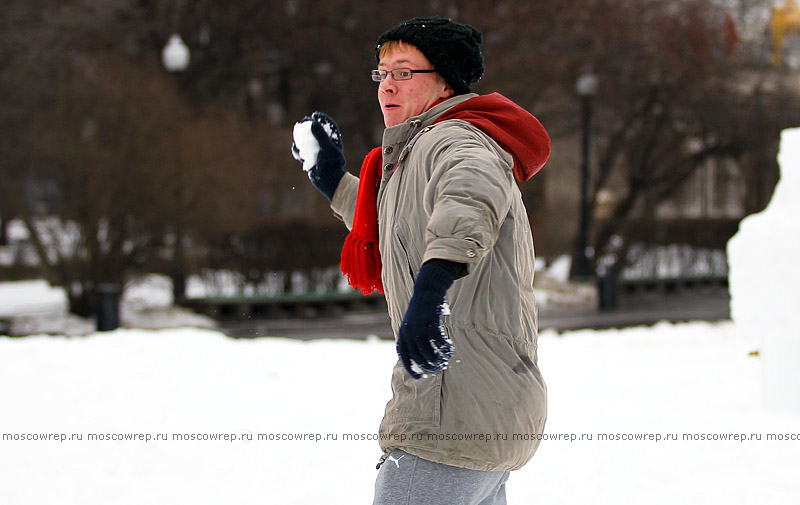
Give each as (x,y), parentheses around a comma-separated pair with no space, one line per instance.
(586,86)
(175,55)
(175,58)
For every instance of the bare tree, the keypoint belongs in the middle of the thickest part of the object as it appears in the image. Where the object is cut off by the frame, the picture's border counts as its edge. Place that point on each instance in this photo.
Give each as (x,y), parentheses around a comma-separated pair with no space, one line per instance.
(141,164)
(137,174)
(679,86)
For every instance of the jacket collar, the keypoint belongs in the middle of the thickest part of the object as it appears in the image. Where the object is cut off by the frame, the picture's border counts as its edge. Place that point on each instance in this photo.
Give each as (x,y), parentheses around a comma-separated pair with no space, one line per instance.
(395,137)
(514,129)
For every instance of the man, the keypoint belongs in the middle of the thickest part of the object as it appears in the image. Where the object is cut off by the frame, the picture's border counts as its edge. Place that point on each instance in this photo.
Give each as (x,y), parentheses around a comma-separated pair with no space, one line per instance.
(438,224)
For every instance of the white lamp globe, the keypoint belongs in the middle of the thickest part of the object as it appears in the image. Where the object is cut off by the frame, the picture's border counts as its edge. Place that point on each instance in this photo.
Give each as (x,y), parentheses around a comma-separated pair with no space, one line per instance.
(175,55)
(586,85)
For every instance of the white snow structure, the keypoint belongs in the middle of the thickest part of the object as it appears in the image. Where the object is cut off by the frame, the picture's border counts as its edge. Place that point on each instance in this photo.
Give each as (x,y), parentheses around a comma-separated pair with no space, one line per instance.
(763,278)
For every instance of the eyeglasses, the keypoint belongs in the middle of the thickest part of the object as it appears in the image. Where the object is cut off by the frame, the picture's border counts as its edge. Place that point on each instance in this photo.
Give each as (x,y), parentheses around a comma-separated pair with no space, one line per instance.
(398,74)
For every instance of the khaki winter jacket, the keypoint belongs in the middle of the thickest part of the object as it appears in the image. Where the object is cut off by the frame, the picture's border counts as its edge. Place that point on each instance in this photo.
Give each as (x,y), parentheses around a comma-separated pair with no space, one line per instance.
(448,192)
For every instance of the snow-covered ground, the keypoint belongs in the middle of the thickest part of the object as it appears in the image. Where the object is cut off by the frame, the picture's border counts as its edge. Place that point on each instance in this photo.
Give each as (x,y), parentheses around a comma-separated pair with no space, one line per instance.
(696,382)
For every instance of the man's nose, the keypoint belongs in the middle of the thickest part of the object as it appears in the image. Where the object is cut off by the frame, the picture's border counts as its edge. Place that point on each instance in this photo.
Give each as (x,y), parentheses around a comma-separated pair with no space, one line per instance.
(387,85)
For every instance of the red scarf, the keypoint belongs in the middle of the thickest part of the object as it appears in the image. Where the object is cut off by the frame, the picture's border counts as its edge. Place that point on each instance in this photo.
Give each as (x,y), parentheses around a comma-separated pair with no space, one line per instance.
(361,258)
(511,126)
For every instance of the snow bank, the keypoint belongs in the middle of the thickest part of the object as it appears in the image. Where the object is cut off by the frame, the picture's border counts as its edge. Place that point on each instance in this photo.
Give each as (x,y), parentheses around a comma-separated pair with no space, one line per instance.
(31,297)
(764,278)
(35,307)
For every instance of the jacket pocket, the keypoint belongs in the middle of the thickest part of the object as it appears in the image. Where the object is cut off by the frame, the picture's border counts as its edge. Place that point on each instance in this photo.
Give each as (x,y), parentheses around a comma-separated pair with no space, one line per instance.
(416,405)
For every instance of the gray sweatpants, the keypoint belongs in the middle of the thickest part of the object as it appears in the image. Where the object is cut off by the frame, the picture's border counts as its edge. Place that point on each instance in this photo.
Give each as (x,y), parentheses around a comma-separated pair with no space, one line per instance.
(408,480)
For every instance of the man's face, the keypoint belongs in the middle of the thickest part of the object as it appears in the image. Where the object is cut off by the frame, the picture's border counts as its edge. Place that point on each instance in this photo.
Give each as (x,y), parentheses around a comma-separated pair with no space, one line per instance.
(401,100)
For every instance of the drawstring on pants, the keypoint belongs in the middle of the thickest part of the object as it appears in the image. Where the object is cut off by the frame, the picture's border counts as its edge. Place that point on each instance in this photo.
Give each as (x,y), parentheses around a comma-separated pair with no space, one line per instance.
(383,459)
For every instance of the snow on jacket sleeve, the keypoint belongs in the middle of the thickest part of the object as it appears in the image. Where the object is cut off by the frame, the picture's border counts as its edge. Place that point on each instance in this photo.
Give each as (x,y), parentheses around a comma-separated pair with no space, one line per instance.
(468,195)
(344,199)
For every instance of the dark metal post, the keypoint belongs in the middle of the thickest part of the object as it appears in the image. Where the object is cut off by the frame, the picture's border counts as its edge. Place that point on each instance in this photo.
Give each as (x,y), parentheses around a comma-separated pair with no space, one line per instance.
(107,308)
(581,269)
(3,226)
(607,291)
(586,86)
(178,272)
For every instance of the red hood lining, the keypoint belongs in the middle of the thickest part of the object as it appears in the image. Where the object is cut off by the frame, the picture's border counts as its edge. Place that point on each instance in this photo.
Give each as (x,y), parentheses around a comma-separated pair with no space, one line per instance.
(512,127)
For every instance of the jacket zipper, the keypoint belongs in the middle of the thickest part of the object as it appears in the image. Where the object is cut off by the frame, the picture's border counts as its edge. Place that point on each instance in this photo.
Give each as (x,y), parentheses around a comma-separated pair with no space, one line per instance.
(408,259)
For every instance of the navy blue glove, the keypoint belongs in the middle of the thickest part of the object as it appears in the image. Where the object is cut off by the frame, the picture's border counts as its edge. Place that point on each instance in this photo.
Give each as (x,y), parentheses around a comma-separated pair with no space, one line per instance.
(422,344)
(328,168)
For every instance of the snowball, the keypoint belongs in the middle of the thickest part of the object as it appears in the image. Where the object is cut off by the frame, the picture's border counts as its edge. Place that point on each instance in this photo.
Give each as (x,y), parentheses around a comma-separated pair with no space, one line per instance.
(306,144)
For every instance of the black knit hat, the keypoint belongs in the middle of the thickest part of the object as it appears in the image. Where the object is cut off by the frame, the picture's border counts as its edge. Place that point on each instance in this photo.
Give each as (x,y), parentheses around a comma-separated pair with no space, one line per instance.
(453,48)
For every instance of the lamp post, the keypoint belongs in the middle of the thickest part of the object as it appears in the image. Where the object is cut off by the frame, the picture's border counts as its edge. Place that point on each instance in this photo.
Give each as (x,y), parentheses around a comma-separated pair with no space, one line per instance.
(586,86)
(175,58)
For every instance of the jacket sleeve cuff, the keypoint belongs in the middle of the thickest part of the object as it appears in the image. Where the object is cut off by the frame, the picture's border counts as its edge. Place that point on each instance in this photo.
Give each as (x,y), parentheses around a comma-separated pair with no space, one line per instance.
(344,199)
(458,250)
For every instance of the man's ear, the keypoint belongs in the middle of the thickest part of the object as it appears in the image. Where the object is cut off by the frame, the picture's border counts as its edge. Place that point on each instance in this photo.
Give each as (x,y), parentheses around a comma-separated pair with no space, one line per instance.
(448,91)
